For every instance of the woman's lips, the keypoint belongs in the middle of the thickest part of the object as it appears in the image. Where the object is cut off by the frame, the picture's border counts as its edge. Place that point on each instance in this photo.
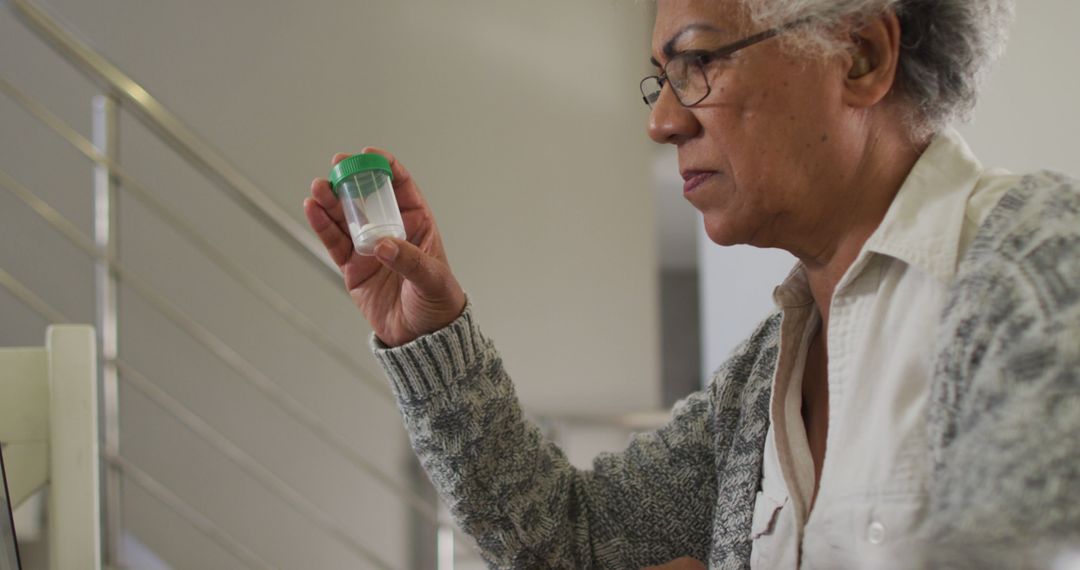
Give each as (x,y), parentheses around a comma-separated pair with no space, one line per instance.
(694,178)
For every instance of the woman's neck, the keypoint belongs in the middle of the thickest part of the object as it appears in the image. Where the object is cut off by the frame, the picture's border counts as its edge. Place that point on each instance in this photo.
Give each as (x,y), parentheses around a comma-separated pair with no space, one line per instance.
(886,164)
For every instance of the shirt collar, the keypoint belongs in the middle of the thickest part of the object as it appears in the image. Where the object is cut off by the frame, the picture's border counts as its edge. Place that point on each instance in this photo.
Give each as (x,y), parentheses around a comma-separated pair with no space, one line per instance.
(794,292)
(922,226)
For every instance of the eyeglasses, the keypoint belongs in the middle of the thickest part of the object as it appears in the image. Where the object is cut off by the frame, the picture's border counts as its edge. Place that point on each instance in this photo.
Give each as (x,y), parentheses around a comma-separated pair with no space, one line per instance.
(686,71)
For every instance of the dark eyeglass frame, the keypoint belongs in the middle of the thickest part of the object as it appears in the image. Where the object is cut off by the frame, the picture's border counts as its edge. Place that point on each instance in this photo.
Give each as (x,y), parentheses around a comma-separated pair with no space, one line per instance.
(699,58)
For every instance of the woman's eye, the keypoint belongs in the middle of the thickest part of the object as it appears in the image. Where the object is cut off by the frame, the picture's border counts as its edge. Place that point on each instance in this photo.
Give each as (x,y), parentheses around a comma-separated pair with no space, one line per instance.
(705,58)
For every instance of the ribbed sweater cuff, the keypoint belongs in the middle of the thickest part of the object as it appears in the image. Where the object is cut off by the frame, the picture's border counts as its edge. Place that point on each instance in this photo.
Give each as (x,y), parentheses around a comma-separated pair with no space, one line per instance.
(434,362)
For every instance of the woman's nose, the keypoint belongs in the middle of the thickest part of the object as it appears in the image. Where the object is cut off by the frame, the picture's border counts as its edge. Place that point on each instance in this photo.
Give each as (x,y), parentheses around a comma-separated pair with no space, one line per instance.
(669,121)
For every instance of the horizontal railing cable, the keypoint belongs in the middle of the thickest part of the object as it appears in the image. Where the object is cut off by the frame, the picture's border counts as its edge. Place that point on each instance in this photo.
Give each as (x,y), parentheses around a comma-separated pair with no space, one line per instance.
(256,378)
(172,131)
(245,461)
(205,526)
(30,299)
(244,277)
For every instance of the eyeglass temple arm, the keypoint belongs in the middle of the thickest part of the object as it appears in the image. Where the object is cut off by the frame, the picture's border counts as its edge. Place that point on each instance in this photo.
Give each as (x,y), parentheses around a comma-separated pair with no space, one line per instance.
(758,37)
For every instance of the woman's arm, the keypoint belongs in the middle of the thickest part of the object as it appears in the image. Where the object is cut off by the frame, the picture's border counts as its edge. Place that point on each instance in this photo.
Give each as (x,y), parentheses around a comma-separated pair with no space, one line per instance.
(517,494)
(1005,419)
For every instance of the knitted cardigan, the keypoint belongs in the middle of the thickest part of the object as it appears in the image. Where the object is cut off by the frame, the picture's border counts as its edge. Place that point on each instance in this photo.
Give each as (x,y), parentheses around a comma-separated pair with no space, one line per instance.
(1003,426)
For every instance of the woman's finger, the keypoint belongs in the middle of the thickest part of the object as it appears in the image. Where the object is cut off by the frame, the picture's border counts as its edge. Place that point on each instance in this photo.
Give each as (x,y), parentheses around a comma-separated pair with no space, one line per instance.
(339,157)
(405,189)
(430,276)
(321,192)
(337,241)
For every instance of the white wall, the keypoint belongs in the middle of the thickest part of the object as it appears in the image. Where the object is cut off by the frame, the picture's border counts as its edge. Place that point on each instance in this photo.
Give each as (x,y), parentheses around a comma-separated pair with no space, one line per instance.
(1028,116)
(520,119)
(1027,119)
(736,294)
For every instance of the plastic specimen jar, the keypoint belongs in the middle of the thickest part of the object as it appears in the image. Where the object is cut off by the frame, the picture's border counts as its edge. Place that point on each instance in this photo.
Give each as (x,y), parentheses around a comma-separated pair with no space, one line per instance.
(362,183)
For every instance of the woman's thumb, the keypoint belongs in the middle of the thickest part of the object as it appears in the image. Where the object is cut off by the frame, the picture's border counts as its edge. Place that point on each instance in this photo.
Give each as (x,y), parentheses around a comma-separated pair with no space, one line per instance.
(413,264)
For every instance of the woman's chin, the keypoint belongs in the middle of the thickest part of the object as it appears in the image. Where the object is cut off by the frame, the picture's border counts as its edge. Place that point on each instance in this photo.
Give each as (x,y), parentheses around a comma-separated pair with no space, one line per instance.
(724,232)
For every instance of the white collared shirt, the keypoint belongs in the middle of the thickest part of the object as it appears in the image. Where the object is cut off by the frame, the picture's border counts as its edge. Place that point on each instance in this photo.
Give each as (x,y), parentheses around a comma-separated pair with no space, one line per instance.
(882,324)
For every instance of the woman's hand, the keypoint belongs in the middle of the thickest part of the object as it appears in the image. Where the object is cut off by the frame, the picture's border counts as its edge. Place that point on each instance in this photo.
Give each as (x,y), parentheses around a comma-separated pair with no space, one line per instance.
(406,290)
(684,563)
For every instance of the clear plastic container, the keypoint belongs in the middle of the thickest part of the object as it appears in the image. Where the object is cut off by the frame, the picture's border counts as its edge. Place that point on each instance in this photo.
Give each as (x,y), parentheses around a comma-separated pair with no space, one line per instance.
(363,184)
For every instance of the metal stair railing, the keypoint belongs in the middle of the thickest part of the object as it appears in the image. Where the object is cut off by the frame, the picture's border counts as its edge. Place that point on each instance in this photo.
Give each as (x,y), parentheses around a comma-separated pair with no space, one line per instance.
(128,95)
(243,276)
(171,130)
(251,282)
(196,519)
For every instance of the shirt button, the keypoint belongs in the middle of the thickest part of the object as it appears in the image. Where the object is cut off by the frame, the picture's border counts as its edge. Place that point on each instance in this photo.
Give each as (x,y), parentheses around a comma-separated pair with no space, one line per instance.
(875,533)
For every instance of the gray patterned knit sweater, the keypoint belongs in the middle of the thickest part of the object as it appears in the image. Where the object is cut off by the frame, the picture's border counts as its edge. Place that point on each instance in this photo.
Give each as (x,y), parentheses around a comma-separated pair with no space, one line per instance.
(1004,422)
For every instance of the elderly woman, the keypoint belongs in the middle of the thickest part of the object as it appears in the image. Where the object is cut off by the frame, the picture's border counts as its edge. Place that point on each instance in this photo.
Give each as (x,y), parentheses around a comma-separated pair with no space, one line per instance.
(914,400)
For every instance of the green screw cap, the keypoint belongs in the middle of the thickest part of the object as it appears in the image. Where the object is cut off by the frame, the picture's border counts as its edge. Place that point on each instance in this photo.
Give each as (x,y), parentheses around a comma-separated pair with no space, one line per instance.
(356,164)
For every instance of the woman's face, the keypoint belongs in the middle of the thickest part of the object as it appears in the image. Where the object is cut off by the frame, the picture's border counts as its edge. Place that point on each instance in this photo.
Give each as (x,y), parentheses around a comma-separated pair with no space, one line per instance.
(769,156)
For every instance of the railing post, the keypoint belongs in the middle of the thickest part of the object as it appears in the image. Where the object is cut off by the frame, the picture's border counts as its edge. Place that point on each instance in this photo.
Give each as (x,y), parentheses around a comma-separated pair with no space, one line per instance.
(105,128)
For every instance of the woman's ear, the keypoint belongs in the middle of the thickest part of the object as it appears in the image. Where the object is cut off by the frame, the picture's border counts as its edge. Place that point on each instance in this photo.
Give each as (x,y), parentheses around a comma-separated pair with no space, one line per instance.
(872,61)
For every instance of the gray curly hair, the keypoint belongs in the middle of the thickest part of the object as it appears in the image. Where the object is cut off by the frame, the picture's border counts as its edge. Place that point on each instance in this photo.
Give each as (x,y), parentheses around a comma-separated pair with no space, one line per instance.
(946,46)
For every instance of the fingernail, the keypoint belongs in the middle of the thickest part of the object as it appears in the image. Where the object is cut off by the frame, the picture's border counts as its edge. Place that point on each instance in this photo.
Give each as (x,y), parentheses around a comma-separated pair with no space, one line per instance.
(386,250)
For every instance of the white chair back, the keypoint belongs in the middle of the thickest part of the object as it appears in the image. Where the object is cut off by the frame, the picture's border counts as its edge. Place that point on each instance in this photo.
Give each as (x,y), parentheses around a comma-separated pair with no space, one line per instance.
(49,428)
